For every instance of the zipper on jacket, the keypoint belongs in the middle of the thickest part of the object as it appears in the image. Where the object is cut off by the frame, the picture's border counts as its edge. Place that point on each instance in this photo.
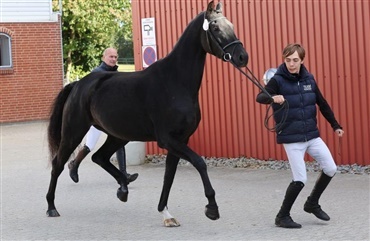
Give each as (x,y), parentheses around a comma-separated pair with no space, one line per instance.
(302,111)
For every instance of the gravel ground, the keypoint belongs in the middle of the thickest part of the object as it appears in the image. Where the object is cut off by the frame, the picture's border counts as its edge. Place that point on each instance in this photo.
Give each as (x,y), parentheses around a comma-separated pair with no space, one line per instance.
(251,163)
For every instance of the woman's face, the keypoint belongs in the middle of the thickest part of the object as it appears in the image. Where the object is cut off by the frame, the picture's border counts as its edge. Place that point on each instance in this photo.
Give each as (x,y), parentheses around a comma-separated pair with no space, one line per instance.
(293,63)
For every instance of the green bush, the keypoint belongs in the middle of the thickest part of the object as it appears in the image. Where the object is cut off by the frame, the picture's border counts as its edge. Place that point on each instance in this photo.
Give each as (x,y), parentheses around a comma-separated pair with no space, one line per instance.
(76,74)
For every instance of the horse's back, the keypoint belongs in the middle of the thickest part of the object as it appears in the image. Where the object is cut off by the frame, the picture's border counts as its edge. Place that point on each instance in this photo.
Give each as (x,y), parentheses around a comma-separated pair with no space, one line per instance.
(117,103)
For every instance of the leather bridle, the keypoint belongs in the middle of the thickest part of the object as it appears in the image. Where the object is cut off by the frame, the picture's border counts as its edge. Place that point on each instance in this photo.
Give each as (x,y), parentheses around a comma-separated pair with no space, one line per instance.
(209,34)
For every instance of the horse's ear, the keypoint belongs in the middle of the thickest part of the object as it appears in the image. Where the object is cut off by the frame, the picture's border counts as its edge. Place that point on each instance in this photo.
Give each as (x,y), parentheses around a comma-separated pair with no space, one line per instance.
(219,8)
(210,7)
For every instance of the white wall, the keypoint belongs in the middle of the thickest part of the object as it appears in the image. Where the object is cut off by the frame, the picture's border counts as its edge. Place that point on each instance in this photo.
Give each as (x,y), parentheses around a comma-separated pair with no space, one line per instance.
(26,11)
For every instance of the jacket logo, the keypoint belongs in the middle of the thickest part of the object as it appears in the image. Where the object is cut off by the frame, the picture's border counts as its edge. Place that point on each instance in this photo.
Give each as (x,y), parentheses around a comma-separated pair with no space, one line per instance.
(307,87)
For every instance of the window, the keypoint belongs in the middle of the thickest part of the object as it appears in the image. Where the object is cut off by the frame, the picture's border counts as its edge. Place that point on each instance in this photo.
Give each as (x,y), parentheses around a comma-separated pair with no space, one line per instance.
(5,51)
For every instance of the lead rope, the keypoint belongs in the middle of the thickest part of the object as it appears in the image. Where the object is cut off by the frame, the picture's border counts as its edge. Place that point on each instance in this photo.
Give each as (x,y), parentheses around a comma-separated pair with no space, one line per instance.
(284,107)
(340,150)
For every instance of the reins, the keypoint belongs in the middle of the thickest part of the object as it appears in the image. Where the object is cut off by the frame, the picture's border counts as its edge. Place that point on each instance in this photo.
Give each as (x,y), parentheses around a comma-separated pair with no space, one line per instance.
(284,106)
(228,58)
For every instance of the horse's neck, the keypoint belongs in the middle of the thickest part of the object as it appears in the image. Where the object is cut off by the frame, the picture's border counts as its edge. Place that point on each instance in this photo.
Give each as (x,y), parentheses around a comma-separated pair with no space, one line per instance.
(188,55)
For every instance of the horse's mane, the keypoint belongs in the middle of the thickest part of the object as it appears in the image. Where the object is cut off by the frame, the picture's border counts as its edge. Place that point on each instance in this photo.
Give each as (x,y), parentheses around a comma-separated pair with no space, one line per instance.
(194,21)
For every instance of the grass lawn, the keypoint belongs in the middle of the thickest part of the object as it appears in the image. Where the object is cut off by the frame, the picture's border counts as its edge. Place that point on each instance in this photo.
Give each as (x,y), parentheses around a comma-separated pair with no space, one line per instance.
(126,67)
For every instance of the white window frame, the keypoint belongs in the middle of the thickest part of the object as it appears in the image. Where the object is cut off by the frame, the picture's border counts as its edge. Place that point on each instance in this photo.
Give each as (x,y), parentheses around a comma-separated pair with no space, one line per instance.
(5,51)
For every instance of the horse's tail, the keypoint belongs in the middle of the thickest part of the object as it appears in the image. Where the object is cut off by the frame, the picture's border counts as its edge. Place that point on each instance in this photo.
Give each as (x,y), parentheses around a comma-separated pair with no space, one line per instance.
(55,120)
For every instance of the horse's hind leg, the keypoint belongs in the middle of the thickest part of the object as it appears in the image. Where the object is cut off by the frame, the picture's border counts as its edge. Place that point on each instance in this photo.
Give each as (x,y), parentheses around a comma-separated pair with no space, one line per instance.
(57,167)
(68,144)
(102,158)
(50,196)
(169,175)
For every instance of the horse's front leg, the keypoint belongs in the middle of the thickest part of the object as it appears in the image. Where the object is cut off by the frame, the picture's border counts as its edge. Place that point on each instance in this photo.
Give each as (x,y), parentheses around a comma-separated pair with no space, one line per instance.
(211,210)
(184,152)
(169,175)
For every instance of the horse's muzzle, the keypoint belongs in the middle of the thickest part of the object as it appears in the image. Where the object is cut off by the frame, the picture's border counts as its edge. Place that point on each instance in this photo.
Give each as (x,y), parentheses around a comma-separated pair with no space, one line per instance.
(240,57)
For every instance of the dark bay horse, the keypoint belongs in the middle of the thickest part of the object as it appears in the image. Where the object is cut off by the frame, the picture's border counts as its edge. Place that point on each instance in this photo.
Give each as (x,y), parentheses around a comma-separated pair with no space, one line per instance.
(159,104)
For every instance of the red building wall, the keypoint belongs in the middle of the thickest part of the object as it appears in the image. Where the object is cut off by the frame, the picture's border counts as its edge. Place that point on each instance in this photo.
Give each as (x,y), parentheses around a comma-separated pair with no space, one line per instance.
(336,37)
(27,89)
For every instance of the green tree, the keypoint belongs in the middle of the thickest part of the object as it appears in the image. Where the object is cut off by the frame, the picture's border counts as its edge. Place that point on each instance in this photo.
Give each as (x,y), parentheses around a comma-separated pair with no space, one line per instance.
(88,27)
(124,42)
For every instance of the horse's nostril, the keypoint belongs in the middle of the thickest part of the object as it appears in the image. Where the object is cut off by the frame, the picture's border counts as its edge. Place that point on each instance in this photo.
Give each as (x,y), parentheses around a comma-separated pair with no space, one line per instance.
(243,58)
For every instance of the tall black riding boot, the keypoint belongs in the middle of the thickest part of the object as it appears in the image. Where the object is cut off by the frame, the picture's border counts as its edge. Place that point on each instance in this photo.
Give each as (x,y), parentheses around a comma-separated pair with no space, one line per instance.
(312,203)
(74,164)
(283,218)
(121,158)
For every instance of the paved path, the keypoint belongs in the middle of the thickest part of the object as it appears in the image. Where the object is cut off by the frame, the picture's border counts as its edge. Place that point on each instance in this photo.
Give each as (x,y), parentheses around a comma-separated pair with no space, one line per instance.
(248,201)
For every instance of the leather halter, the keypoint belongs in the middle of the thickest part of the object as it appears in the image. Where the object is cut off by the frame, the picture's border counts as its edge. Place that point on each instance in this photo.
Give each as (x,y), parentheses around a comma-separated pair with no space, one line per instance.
(225,56)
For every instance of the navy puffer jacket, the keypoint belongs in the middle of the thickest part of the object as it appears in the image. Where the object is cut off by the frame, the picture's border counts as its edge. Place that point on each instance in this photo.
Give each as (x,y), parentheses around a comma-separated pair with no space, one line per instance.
(299,91)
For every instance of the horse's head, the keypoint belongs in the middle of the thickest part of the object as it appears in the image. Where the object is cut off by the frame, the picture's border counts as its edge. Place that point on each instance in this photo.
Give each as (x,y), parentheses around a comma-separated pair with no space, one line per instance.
(220,39)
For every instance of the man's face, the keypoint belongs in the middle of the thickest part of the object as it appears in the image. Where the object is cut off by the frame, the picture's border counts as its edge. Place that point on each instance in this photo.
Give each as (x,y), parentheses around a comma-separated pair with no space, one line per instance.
(293,63)
(110,57)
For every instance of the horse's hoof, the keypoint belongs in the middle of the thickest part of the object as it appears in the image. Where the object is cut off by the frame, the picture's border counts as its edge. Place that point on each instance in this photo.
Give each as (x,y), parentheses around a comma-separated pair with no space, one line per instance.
(122,195)
(212,213)
(52,213)
(171,222)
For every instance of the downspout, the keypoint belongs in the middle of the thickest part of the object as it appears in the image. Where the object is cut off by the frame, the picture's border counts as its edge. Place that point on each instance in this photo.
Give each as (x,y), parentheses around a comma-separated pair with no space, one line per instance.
(61,36)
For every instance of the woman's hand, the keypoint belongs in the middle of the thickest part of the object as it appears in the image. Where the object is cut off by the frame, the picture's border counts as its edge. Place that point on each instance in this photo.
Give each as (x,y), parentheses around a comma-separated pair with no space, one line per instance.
(278,99)
(339,132)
